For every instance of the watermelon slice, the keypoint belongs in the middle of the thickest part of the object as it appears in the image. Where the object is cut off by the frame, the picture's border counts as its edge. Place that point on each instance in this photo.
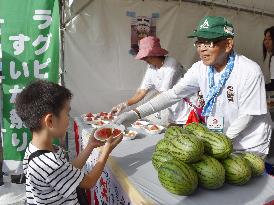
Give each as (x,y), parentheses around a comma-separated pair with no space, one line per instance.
(116,132)
(154,127)
(103,114)
(104,133)
(89,114)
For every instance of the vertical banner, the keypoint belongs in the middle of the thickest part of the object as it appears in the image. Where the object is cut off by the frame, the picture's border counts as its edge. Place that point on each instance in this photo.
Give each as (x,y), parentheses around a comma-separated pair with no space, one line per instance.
(30,45)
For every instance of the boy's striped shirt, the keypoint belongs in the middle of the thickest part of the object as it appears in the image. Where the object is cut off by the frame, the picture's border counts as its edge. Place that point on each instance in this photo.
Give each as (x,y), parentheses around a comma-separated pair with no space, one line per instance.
(50,178)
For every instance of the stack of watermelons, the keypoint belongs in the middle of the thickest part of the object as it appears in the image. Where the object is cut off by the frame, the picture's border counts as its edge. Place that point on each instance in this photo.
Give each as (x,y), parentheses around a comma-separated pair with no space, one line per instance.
(194,156)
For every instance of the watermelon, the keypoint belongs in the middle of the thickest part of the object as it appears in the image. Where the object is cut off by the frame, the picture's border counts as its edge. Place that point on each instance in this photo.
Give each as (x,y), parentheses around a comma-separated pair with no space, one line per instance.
(159,157)
(183,146)
(116,132)
(178,177)
(216,144)
(174,131)
(237,170)
(164,145)
(211,173)
(197,128)
(255,162)
(104,133)
(187,148)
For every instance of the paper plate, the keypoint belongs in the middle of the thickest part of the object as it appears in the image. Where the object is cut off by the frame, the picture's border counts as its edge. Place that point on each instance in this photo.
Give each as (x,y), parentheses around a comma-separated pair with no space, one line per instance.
(129,135)
(140,124)
(97,123)
(105,131)
(151,129)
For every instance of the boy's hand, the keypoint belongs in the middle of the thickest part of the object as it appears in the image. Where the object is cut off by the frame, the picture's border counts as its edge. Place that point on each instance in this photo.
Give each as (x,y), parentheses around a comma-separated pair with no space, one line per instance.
(94,142)
(112,142)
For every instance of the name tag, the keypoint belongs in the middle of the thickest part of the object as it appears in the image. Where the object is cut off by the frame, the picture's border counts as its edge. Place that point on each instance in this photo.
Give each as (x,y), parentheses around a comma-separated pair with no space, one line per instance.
(215,123)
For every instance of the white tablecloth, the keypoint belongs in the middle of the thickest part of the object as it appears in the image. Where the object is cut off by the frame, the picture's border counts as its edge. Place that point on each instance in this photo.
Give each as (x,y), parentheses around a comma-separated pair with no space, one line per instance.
(134,158)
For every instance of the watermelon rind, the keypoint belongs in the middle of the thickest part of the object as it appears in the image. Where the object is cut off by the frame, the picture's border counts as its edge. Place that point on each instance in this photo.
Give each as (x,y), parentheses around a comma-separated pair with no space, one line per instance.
(178,177)
(237,170)
(255,162)
(216,144)
(160,157)
(211,173)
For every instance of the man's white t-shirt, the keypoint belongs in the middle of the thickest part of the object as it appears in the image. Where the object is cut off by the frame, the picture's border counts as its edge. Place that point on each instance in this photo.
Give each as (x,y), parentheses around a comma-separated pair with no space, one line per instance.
(272,68)
(50,178)
(243,93)
(162,80)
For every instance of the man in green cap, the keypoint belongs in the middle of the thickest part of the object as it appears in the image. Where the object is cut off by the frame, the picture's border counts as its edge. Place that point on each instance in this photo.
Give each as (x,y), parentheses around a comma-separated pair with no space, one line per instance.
(232,85)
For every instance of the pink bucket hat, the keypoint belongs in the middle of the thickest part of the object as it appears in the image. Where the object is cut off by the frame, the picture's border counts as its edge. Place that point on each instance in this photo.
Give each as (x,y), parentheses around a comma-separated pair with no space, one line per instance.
(150,46)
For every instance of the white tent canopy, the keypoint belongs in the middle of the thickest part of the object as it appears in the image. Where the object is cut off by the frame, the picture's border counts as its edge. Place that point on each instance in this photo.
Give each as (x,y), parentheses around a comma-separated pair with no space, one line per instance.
(98,67)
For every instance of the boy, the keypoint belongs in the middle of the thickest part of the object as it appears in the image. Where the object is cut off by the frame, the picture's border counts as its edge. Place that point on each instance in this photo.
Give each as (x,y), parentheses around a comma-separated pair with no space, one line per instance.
(50,179)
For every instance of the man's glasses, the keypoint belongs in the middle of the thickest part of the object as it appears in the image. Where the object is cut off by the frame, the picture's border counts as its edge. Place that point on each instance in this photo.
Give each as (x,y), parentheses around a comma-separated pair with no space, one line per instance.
(206,44)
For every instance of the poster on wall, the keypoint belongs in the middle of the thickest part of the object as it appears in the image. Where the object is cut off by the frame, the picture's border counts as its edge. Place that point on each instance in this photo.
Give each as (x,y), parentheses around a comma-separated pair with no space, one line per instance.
(30,45)
(141,26)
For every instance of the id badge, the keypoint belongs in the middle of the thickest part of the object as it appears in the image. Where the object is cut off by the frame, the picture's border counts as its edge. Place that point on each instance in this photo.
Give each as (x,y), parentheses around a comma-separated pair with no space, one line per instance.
(215,123)
(158,115)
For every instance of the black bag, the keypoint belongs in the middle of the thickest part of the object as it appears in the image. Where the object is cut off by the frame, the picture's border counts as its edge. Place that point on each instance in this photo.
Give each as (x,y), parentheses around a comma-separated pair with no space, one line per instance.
(82,196)
(81,193)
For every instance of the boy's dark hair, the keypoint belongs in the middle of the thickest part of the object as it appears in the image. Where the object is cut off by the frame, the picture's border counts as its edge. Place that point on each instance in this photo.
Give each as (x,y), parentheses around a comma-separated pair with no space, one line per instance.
(38,99)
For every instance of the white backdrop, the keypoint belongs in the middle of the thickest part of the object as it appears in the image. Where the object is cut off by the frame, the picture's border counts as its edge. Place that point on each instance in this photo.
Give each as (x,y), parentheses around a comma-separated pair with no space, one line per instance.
(98,67)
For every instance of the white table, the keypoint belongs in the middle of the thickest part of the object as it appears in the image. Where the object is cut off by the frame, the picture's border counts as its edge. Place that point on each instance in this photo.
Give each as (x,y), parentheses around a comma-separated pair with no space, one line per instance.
(133,159)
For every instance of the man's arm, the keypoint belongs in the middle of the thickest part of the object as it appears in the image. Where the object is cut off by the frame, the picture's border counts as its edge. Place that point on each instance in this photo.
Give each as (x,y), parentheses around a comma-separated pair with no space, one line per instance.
(186,86)
(238,126)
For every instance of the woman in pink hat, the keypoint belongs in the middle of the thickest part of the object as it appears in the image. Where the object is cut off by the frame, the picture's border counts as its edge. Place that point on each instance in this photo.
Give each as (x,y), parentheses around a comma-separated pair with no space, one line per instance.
(162,73)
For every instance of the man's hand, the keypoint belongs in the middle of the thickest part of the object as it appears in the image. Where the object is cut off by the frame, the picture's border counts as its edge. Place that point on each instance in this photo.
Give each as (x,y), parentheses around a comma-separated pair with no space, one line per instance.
(126,118)
(116,110)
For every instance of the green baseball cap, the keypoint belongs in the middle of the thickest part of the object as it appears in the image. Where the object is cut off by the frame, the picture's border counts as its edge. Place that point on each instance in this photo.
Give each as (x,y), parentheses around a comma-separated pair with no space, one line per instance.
(213,27)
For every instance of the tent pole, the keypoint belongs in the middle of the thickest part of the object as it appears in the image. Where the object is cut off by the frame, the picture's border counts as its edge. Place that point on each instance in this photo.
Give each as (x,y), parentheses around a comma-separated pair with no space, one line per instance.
(62,46)
(77,12)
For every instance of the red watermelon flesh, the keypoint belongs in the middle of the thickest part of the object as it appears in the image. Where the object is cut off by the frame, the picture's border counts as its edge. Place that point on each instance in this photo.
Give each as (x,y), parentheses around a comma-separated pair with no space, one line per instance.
(89,114)
(116,132)
(104,133)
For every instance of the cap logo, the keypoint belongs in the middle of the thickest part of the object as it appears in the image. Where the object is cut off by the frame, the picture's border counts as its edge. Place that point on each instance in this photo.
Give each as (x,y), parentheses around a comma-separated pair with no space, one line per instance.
(228,30)
(204,25)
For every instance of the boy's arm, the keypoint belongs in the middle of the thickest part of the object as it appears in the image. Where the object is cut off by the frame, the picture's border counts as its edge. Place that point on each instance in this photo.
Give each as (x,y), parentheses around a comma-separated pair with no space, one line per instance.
(81,159)
(91,178)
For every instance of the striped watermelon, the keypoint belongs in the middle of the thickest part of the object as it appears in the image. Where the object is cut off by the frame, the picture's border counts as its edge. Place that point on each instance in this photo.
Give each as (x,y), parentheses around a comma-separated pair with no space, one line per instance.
(178,177)
(211,173)
(174,131)
(237,171)
(255,162)
(187,148)
(159,157)
(164,146)
(197,128)
(216,144)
